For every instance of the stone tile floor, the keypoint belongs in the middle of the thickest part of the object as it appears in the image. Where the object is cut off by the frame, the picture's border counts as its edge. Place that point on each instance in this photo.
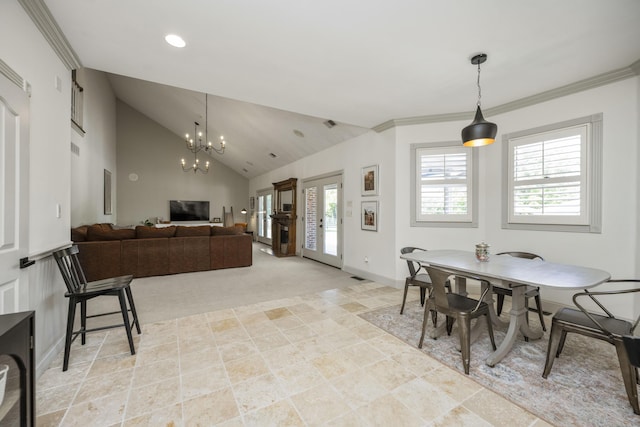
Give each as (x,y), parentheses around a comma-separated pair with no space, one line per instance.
(301,361)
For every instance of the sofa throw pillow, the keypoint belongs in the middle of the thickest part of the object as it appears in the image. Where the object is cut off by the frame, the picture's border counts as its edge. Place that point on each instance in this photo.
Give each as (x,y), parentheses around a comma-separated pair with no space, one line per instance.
(146,232)
(199,230)
(225,231)
(98,232)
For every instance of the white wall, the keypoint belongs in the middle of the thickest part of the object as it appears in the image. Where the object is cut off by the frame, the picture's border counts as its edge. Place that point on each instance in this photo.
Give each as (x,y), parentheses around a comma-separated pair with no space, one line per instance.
(97,151)
(25,50)
(614,250)
(349,158)
(153,153)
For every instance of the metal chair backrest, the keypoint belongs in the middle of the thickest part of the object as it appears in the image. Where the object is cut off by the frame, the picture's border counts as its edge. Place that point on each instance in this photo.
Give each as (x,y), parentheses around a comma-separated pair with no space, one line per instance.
(439,292)
(412,264)
(593,294)
(517,254)
(69,265)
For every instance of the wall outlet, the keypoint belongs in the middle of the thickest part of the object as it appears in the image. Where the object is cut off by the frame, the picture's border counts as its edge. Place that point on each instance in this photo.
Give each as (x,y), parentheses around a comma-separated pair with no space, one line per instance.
(366,259)
(58,210)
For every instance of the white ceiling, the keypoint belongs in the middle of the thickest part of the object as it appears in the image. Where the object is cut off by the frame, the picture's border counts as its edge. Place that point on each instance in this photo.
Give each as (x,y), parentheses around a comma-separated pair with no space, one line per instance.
(357,62)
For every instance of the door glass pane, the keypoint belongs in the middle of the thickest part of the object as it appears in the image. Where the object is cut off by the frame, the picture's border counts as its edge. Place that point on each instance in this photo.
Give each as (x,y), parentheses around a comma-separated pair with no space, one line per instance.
(261,216)
(331,219)
(311,218)
(267,208)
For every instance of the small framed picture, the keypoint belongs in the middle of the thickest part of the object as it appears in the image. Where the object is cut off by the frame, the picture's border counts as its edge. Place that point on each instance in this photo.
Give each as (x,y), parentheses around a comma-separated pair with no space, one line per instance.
(369,181)
(216,219)
(369,214)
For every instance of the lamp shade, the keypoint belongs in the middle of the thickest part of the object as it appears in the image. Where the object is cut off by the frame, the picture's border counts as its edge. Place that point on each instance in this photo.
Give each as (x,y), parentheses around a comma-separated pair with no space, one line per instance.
(479,132)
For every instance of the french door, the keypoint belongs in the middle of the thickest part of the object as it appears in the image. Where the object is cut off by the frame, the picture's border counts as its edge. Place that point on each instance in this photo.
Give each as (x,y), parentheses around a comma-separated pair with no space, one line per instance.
(264,208)
(14,196)
(322,220)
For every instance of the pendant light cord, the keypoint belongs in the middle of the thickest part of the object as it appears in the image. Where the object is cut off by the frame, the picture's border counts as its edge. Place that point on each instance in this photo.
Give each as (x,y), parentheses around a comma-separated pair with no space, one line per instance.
(478,83)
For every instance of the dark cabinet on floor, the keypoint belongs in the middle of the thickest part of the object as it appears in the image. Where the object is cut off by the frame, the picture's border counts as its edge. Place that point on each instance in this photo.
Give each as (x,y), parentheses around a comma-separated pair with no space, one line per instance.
(17,342)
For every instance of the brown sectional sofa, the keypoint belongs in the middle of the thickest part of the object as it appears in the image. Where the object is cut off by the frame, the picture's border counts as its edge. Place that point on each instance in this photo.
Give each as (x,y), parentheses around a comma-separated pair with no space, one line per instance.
(148,251)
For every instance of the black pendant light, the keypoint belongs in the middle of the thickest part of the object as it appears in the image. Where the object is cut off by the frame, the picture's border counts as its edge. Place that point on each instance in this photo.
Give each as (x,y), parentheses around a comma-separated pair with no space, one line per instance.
(480,132)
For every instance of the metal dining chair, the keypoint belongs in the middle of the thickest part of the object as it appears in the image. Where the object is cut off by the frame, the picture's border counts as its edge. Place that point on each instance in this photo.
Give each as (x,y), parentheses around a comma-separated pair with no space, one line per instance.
(415,278)
(601,325)
(458,307)
(530,292)
(79,291)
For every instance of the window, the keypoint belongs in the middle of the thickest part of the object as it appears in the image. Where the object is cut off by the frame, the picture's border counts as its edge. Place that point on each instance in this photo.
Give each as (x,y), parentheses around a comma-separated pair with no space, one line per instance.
(553,177)
(443,185)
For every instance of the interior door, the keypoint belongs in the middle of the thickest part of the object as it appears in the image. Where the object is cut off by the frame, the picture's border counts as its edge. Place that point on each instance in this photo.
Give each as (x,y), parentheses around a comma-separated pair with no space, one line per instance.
(263,210)
(323,220)
(14,196)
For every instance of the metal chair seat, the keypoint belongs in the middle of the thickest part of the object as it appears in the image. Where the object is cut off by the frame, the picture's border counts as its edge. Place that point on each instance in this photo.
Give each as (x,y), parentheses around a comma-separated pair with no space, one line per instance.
(604,326)
(456,307)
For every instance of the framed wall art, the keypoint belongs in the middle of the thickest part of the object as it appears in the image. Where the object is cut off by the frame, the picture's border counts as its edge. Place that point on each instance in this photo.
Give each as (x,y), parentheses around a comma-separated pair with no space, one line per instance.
(369,215)
(369,181)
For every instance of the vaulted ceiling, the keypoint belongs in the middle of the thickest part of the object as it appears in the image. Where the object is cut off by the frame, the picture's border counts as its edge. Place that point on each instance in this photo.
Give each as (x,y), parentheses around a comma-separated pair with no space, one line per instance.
(273,67)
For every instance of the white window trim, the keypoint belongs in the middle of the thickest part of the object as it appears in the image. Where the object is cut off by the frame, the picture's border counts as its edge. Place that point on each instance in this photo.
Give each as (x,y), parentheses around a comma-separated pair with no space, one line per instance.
(591,221)
(443,220)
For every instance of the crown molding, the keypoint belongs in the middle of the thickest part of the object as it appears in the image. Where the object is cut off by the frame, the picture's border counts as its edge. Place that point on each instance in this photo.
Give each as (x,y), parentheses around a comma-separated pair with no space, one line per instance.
(14,77)
(42,18)
(579,86)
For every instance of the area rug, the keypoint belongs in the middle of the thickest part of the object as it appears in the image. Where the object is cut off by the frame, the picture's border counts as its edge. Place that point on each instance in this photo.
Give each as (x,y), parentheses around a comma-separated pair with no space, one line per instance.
(584,387)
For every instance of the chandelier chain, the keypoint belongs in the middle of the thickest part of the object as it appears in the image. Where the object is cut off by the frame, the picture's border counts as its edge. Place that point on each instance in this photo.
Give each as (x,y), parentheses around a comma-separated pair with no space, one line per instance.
(195,145)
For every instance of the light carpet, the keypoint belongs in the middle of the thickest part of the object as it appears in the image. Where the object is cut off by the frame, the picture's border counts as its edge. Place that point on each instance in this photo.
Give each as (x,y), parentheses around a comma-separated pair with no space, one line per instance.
(584,387)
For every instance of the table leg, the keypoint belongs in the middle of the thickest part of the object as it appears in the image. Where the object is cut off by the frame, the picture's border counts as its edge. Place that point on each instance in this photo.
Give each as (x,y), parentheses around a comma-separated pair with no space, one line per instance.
(461,285)
(517,322)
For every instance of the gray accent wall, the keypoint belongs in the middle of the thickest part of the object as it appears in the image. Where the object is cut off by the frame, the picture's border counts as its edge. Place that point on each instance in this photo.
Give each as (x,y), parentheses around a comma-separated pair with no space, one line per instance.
(153,153)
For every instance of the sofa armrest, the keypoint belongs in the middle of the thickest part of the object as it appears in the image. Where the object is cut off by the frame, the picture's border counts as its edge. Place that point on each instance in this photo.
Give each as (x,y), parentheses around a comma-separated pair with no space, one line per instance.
(231,251)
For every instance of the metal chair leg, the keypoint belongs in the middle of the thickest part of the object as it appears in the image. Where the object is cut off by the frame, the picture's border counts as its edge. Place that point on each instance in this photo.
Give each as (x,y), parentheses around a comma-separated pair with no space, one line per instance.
(557,332)
(500,304)
(628,376)
(540,313)
(464,329)
(424,323)
(404,298)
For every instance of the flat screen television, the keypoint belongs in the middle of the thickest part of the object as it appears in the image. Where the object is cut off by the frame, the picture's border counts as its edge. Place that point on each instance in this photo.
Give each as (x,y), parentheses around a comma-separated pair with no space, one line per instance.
(187,210)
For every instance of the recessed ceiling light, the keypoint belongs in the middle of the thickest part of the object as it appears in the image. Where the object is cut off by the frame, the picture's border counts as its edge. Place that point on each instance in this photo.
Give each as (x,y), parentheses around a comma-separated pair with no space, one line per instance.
(296,132)
(175,40)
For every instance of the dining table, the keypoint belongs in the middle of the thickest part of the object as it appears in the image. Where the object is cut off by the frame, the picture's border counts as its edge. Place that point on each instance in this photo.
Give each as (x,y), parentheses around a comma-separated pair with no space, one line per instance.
(512,272)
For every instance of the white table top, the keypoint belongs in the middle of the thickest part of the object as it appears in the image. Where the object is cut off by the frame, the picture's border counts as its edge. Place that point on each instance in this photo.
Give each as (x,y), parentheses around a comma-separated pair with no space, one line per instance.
(512,269)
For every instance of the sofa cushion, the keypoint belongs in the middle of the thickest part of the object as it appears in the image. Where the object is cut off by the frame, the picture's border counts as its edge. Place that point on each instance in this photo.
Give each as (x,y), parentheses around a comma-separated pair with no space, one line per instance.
(98,232)
(226,231)
(79,234)
(200,230)
(146,232)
